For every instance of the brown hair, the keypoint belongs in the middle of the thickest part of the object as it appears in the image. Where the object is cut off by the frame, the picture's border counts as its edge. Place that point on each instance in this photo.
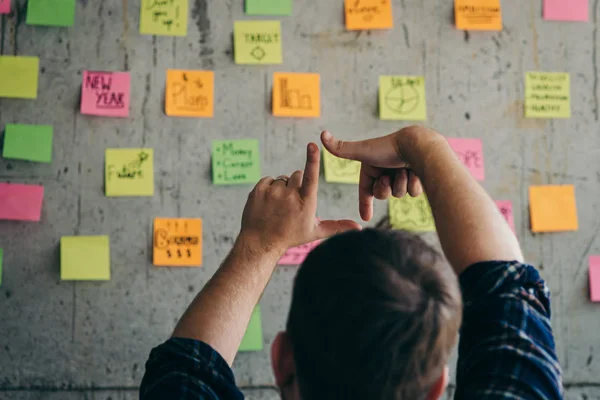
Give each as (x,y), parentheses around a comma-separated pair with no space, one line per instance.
(374,315)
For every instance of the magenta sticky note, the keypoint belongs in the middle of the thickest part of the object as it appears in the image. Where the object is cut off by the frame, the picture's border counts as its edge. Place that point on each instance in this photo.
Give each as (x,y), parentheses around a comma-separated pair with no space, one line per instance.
(5,6)
(470,152)
(106,93)
(296,255)
(595,278)
(506,209)
(566,10)
(21,202)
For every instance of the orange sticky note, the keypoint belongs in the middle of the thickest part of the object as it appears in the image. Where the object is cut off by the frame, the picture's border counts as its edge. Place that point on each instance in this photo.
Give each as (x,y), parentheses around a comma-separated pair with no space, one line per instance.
(553,208)
(296,95)
(369,14)
(478,15)
(190,93)
(178,242)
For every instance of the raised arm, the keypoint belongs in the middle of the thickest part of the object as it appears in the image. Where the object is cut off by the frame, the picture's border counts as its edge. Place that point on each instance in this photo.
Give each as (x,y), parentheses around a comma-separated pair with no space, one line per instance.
(469,225)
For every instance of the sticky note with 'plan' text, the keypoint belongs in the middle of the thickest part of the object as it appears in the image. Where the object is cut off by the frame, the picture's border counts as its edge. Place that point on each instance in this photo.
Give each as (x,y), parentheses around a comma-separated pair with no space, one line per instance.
(106,93)
(190,93)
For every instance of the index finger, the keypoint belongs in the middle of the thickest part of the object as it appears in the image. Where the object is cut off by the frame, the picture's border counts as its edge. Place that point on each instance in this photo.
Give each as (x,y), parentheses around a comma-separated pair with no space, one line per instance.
(310,181)
(380,152)
(368,176)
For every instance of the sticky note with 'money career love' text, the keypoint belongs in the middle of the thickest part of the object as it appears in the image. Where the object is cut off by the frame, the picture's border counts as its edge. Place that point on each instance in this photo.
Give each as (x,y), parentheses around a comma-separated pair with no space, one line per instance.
(129,172)
(296,95)
(553,208)
(235,162)
(51,12)
(20,202)
(402,98)
(566,10)
(369,14)
(470,152)
(253,339)
(296,255)
(5,6)
(340,170)
(28,142)
(85,258)
(190,93)
(269,7)
(257,42)
(478,15)
(164,18)
(177,242)
(547,95)
(19,77)
(105,93)
(411,214)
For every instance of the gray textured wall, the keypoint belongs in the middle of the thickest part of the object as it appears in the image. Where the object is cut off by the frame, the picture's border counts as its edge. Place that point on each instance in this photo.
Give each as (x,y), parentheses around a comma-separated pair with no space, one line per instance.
(67,340)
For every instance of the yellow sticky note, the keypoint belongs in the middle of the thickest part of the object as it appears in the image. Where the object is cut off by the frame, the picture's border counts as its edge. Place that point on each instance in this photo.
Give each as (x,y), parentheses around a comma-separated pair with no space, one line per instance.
(340,170)
(190,93)
(411,214)
(478,15)
(553,208)
(296,95)
(19,77)
(129,172)
(369,14)
(85,258)
(178,242)
(402,98)
(547,95)
(164,17)
(257,42)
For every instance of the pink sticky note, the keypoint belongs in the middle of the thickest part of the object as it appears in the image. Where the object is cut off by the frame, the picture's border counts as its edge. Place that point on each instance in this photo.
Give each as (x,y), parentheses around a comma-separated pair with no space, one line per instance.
(5,6)
(296,255)
(105,93)
(566,10)
(21,202)
(595,278)
(470,152)
(505,207)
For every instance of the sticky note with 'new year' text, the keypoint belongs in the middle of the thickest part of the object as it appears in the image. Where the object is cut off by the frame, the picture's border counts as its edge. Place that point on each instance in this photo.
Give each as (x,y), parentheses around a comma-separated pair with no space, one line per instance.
(296,95)
(340,170)
(105,93)
(553,208)
(566,10)
(470,152)
(165,18)
(129,172)
(402,98)
(506,209)
(296,255)
(411,214)
(177,242)
(19,77)
(235,162)
(369,14)
(190,93)
(5,6)
(478,15)
(51,12)
(253,339)
(257,42)
(269,7)
(85,258)
(28,142)
(595,278)
(21,202)
(547,95)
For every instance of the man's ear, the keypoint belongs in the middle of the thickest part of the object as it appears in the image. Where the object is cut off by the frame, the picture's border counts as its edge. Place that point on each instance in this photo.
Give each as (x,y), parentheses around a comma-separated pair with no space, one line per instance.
(282,360)
(439,388)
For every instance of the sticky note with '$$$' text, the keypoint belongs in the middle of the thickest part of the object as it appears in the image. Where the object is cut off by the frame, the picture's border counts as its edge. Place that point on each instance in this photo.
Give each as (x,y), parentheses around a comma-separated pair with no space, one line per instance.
(369,14)
(257,42)
(129,172)
(190,93)
(481,15)
(19,77)
(178,242)
(105,93)
(165,18)
(340,170)
(296,95)
(553,208)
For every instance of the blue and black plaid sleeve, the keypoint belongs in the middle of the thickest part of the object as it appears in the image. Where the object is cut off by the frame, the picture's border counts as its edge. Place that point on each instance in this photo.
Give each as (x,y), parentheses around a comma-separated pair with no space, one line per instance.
(185,369)
(506,348)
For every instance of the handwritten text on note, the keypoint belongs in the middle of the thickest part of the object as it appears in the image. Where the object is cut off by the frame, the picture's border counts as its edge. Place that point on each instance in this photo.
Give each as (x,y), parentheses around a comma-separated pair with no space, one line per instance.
(105,93)
(235,162)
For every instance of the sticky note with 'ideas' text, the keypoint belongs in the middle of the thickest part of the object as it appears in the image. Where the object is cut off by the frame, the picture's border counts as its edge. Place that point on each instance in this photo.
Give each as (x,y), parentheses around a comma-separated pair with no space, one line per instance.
(369,14)
(296,95)
(19,77)
(21,202)
(257,42)
(177,242)
(129,172)
(190,93)
(553,208)
(470,152)
(478,15)
(106,93)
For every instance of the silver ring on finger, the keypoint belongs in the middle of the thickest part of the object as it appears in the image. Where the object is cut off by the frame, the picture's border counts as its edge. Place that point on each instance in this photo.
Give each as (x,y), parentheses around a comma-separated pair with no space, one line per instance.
(283,178)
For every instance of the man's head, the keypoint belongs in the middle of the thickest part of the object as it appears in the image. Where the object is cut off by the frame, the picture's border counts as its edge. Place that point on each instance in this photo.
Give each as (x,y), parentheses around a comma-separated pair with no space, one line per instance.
(374,315)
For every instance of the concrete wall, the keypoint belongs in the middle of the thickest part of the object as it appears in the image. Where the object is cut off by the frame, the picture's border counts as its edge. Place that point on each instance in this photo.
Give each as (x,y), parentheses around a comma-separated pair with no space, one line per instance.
(85,340)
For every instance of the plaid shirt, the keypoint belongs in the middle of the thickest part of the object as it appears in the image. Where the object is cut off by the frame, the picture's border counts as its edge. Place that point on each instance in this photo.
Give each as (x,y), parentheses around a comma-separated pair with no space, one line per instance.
(506,348)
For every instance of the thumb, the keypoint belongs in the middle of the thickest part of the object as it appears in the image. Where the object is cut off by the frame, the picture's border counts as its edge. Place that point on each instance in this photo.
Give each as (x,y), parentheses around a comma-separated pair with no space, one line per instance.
(330,228)
(379,152)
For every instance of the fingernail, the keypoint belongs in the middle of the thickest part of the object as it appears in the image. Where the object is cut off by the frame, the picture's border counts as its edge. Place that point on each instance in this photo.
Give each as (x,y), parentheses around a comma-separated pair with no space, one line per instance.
(385,180)
(326,135)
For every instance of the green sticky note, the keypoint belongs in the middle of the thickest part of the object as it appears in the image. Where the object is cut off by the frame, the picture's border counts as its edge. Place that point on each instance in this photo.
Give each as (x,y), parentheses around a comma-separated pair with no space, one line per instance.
(28,142)
(269,7)
(235,162)
(51,12)
(85,258)
(129,172)
(257,42)
(547,95)
(411,214)
(402,98)
(1,260)
(165,18)
(253,339)
(340,170)
(19,77)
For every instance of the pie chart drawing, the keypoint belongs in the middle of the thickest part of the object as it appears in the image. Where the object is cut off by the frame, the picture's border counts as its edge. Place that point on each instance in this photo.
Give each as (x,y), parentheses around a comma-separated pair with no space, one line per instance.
(402,99)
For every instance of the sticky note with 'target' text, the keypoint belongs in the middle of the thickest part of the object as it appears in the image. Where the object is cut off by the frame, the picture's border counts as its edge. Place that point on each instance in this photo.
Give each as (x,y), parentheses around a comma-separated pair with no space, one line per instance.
(165,18)
(178,242)
(506,209)
(478,15)
(106,93)
(19,77)
(253,339)
(5,6)
(470,152)
(257,42)
(553,208)
(129,172)
(369,14)
(547,95)
(21,202)
(595,278)
(296,255)
(190,93)
(566,10)
(296,95)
